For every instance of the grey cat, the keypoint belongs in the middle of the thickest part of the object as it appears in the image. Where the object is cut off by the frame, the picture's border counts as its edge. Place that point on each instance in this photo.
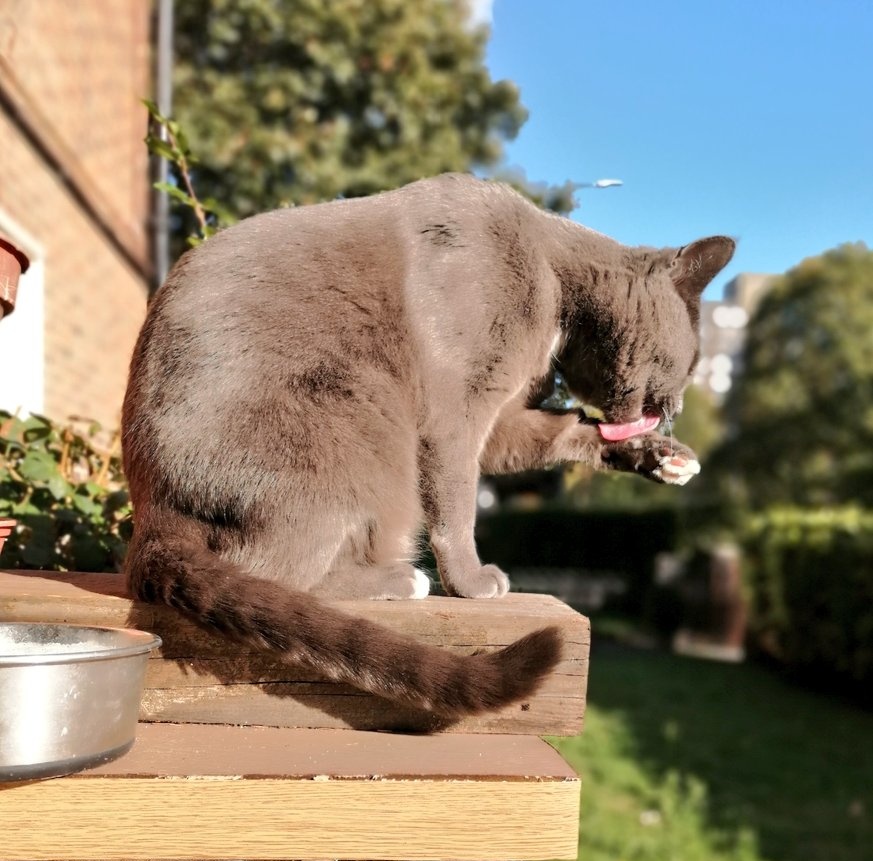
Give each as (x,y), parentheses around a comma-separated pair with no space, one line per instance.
(313,383)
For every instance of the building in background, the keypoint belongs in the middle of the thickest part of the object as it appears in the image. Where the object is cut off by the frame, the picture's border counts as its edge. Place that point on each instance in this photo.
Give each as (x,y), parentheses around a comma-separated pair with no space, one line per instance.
(747,289)
(74,196)
(723,332)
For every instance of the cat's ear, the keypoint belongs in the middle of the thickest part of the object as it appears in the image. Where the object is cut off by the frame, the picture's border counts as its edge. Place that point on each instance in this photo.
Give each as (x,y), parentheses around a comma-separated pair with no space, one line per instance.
(695,265)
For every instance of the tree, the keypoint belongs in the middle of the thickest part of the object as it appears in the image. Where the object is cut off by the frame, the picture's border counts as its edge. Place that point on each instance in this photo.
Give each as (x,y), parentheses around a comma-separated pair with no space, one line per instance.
(297,101)
(802,408)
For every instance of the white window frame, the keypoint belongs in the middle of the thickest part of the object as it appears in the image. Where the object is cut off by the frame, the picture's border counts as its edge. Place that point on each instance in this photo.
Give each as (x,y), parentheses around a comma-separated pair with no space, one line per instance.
(22,333)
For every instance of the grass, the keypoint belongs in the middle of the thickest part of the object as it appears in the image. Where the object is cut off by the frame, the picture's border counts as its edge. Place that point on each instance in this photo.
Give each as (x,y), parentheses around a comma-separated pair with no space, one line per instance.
(685,760)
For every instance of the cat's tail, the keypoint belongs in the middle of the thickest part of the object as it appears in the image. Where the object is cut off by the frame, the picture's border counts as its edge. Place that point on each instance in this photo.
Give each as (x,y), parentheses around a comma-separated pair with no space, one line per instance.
(179,570)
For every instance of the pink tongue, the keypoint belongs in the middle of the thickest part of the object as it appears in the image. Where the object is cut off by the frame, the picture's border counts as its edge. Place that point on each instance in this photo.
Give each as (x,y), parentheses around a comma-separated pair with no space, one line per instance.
(613,433)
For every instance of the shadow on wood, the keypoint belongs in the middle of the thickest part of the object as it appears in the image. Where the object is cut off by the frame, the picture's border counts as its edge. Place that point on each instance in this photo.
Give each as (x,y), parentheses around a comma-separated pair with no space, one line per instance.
(205,659)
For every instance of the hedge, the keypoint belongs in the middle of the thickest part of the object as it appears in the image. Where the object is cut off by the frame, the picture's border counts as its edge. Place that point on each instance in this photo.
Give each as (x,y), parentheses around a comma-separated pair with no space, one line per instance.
(618,541)
(810,581)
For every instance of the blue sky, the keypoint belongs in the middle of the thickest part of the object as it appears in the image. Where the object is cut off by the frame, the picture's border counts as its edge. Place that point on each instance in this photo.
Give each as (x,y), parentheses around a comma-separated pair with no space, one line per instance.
(753,119)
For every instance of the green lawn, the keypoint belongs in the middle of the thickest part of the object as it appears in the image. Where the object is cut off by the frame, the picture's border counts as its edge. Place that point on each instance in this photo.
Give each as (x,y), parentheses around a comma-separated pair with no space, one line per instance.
(684,760)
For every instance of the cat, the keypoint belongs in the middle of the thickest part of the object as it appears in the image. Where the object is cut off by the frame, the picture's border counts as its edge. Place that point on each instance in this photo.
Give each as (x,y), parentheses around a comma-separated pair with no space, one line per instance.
(312,383)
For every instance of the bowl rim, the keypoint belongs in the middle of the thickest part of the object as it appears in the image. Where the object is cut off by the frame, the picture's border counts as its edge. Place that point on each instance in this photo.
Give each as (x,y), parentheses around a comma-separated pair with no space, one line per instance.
(144,642)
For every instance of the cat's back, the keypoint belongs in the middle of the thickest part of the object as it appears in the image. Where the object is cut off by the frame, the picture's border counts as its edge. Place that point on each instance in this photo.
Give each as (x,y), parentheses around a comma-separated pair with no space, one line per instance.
(336,256)
(328,276)
(346,303)
(356,229)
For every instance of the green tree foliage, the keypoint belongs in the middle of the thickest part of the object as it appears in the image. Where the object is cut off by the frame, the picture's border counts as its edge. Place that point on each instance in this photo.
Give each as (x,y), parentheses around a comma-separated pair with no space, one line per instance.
(699,425)
(802,408)
(297,101)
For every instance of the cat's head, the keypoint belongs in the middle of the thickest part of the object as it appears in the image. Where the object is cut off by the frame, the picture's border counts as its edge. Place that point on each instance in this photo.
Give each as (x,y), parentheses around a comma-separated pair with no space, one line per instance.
(633,341)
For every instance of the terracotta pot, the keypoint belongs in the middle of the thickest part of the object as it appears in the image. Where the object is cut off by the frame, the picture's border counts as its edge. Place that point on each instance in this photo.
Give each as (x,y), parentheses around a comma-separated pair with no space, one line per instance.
(13,263)
(6,527)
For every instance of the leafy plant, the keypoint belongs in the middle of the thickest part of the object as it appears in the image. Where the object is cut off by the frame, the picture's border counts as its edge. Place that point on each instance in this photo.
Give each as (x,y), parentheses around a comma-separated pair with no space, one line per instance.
(167,140)
(67,493)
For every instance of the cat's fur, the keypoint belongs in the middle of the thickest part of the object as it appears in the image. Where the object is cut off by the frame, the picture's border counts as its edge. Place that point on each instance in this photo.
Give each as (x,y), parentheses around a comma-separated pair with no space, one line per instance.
(312,383)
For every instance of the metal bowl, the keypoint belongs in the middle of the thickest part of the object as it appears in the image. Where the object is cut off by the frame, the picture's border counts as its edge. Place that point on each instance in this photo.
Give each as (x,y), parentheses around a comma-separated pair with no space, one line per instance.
(69,696)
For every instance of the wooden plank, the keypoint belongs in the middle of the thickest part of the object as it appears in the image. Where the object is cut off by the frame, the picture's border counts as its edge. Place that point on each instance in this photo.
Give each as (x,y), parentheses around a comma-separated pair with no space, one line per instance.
(213,792)
(199,677)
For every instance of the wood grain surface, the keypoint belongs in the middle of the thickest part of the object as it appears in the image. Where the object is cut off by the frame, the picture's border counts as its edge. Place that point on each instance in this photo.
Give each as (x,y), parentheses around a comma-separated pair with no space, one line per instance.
(211,792)
(199,677)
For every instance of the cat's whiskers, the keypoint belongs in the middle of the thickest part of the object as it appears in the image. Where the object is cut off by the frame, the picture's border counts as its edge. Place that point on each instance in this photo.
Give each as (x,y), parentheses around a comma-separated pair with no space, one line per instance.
(669,422)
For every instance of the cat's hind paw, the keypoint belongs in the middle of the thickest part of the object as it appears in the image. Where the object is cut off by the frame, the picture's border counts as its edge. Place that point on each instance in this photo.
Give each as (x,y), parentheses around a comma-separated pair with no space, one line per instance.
(673,469)
(420,584)
(398,582)
(407,584)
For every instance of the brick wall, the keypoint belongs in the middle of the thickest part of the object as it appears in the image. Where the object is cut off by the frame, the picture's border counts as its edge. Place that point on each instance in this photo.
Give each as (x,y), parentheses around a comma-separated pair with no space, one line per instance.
(80,68)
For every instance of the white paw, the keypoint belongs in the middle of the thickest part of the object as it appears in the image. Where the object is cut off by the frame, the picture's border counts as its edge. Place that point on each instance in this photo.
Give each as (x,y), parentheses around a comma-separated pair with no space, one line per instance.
(421,584)
(676,470)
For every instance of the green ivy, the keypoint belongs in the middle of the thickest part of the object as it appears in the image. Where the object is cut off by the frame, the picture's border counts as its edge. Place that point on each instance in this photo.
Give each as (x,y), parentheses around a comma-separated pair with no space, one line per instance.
(67,493)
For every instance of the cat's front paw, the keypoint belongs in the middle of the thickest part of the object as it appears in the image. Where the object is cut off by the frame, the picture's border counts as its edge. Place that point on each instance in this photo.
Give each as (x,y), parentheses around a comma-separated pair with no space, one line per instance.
(654,456)
(675,469)
(487,582)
